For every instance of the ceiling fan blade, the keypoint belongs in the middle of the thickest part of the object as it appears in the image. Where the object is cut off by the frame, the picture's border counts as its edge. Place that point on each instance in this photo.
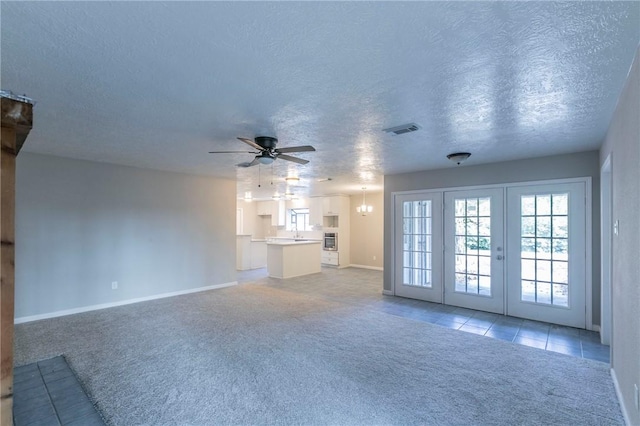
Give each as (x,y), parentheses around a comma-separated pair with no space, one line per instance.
(304,148)
(253,163)
(233,152)
(252,144)
(294,159)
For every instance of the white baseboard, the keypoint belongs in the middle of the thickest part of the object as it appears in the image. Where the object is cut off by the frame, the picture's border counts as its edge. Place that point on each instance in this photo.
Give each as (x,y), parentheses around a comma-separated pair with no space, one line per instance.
(387,292)
(119,303)
(375,268)
(625,414)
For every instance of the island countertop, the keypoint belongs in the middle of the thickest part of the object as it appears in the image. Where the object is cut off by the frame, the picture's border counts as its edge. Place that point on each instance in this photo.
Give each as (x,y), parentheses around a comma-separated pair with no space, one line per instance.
(290,242)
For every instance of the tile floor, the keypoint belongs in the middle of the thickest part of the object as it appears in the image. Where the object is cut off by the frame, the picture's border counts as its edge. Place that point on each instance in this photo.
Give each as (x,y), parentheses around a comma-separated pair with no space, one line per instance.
(550,337)
(47,393)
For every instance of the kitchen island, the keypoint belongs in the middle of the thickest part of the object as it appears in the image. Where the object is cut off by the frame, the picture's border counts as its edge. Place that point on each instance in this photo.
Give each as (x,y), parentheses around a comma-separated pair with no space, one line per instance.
(288,258)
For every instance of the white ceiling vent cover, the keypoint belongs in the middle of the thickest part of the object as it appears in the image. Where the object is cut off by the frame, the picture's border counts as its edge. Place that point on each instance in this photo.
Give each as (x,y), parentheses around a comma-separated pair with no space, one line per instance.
(405,128)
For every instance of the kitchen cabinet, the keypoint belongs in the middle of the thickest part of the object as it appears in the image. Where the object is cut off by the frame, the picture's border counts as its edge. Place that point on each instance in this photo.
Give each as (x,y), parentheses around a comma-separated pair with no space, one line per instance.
(335,205)
(287,259)
(264,208)
(243,252)
(315,211)
(278,212)
(258,254)
(330,258)
(275,209)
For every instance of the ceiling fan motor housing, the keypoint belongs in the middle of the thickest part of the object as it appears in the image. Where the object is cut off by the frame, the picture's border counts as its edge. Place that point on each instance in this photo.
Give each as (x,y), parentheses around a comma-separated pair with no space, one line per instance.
(266,142)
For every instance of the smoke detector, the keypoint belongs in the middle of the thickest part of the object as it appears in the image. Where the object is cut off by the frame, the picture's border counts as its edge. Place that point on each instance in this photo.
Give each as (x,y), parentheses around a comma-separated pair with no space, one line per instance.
(405,128)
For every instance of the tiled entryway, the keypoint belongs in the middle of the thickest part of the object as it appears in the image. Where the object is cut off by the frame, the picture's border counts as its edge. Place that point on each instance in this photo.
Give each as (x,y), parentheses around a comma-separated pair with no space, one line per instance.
(47,393)
(361,286)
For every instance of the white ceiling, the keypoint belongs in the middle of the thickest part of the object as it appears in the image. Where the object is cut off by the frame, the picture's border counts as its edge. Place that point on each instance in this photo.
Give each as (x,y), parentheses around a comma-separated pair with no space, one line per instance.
(159,84)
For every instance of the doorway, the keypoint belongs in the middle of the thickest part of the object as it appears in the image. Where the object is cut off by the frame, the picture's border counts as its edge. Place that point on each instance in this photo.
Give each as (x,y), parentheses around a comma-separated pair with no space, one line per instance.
(518,250)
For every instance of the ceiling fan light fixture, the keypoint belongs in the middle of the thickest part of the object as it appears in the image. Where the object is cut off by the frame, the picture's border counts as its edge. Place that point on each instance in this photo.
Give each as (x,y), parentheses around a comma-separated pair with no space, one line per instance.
(459,157)
(265,158)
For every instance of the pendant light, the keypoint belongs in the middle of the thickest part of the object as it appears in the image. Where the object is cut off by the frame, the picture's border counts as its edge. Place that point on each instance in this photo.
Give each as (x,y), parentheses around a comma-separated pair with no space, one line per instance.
(363,209)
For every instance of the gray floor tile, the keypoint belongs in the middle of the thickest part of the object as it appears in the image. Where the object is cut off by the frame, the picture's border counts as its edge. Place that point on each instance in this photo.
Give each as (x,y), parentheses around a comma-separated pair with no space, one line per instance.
(479,322)
(568,350)
(533,334)
(73,412)
(35,414)
(64,383)
(56,375)
(501,335)
(502,328)
(17,371)
(473,329)
(29,394)
(453,317)
(530,342)
(449,324)
(61,397)
(569,341)
(28,384)
(90,420)
(69,400)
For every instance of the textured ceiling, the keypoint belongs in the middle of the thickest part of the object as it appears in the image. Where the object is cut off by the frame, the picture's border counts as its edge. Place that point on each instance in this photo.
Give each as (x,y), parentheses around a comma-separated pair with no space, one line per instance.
(159,84)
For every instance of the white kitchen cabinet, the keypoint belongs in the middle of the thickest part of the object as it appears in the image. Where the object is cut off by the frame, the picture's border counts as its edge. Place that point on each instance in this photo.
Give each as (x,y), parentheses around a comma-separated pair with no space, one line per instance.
(330,258)
(335,205)
(243,252)
(278,212)
(258,254)
(264,208)
(315,211)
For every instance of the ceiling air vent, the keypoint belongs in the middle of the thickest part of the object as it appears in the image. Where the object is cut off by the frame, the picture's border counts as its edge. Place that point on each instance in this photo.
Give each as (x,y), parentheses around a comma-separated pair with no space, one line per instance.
(405,128)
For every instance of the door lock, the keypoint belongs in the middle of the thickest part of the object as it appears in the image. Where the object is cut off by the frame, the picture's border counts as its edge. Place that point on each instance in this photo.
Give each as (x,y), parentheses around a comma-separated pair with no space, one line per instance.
(499,257)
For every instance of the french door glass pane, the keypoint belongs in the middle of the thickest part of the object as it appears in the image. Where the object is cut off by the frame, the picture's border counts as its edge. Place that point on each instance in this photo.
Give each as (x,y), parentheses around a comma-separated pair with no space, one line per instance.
(544,249)
(473,246)
(417,246)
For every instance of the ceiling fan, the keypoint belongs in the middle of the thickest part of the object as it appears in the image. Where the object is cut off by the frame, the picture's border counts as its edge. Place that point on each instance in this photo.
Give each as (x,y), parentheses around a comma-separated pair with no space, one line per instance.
(267,152)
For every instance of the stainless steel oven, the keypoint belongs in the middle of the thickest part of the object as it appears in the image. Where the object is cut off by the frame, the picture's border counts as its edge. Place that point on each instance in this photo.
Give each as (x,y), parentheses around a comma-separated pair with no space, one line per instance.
(330,241)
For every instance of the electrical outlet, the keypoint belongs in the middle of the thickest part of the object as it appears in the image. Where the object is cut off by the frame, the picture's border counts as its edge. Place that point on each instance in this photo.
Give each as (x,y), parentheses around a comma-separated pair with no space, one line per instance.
(637,397)
(114,285)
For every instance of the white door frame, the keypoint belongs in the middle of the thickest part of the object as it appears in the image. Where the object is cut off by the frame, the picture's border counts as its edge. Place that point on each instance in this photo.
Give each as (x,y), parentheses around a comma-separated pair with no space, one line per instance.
(588,236)
(606,224)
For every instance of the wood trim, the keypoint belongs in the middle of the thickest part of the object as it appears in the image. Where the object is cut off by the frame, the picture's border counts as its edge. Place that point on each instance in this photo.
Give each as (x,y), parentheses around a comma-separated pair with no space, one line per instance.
(17,120)
(7,237)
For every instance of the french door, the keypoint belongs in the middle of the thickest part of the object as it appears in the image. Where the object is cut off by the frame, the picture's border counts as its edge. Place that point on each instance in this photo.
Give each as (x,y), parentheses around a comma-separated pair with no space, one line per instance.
(474,249)
(418,236)
(516,250)
(546,230)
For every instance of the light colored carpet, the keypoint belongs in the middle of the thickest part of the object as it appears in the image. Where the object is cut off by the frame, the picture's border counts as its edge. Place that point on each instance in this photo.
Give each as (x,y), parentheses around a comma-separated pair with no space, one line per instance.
(275,352)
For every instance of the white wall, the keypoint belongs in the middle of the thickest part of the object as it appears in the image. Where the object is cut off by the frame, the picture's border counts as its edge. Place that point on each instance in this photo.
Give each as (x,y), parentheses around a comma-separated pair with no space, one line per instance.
(623,144)
(81,225)
(554,167)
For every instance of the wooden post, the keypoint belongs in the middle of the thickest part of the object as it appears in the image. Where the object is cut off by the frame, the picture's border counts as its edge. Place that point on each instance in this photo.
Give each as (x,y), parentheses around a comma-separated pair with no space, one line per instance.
(17,120)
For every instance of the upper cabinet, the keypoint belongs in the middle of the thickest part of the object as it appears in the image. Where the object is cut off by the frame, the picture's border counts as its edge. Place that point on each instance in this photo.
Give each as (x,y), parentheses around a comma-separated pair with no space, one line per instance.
(275,209)
(316,211)
(335,205)
(278,212)
(264,208)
